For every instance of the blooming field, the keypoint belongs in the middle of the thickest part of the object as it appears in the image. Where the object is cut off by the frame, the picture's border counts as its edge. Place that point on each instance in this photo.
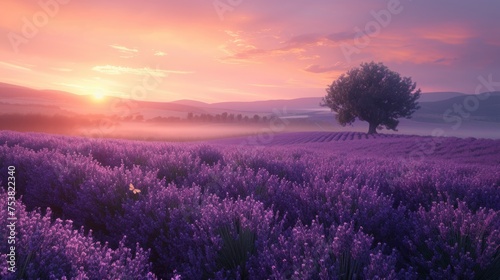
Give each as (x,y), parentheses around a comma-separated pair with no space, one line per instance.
(304,206)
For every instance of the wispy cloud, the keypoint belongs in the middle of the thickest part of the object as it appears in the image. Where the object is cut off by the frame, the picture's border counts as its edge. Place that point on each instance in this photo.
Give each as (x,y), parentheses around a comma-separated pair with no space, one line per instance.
(127,52)
(295,45)
(70,85)
(119,70)
(341,36)
(268,86)
(446,34)
(248,54)
(14,66)
(444,60)
(304,40)
(124,49)
(160,53)
(314,68)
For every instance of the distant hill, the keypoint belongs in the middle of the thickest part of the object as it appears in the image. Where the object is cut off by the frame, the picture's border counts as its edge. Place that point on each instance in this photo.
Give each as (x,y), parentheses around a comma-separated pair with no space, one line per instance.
(488,109)
(302,104)
(192,103)
(438,96)
(13,92)
(308,103)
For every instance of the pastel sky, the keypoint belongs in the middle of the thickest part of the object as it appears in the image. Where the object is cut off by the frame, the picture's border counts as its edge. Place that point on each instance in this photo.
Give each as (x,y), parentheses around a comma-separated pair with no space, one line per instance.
(242,50)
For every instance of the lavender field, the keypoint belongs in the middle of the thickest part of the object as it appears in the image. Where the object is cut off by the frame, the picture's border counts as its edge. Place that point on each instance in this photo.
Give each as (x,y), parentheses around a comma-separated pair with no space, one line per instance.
(298,206)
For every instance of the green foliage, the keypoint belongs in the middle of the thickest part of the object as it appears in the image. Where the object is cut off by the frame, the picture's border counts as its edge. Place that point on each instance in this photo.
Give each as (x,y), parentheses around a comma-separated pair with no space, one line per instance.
(238,244)
(374,94)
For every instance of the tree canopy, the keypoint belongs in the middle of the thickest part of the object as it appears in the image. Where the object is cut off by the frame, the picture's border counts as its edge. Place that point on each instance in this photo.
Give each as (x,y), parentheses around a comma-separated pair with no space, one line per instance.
(372,93)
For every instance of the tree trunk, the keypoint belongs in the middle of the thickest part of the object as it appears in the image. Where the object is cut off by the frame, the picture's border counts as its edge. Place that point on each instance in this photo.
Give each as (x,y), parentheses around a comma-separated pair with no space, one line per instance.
(373,128)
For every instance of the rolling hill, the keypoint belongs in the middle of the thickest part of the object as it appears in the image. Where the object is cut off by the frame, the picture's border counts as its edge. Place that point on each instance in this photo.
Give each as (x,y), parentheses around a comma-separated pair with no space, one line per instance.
(473,108)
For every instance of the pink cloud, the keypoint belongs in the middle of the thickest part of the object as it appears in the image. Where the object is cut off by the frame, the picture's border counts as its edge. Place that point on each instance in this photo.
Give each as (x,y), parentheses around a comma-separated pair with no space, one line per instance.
(257,43)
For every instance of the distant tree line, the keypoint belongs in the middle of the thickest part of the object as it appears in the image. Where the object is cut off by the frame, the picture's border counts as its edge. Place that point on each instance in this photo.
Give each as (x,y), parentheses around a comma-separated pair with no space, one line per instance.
(56,123)
(222,118)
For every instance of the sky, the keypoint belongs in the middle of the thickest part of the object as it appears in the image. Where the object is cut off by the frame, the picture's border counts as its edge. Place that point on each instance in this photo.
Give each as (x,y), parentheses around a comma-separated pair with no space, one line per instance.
(243,50)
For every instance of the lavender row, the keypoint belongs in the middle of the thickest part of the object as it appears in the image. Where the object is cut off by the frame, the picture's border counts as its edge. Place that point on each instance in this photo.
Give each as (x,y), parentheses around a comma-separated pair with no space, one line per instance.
(52,249)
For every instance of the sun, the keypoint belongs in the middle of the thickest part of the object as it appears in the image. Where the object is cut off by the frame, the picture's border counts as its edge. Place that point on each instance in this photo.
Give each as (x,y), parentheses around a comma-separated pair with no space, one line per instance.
(98,95)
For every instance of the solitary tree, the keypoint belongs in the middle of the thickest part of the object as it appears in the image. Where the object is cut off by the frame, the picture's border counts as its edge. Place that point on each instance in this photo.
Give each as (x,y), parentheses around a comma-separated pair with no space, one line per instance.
(374,94)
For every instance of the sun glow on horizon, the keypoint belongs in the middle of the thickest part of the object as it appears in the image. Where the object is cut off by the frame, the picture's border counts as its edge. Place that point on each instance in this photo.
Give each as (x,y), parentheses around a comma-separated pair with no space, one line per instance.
(98,95)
